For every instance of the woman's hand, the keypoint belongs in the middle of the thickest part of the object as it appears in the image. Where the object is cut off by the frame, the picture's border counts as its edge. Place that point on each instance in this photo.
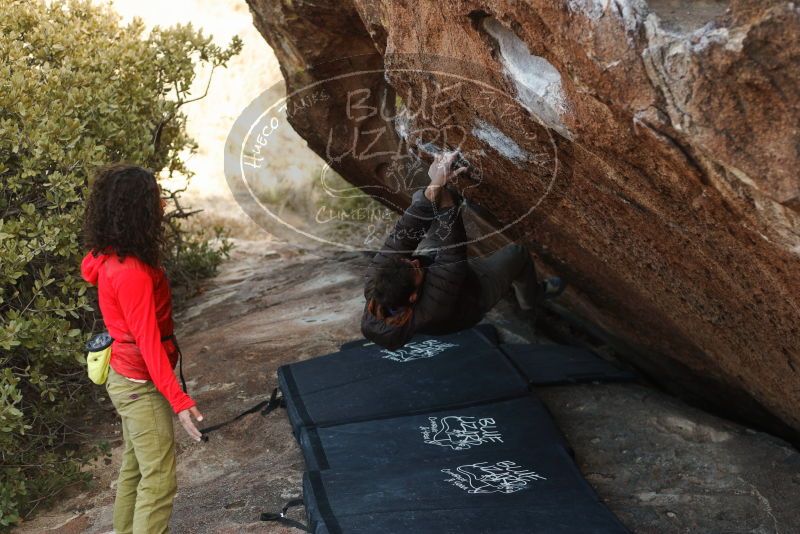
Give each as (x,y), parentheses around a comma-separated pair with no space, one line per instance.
(185,417)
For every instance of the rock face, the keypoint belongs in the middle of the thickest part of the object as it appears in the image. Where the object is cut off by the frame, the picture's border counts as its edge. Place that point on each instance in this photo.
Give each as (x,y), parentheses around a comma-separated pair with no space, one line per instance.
(658,143)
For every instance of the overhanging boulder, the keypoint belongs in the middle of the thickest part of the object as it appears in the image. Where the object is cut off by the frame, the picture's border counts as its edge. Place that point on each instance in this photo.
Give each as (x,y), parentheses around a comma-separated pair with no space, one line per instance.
(657,141)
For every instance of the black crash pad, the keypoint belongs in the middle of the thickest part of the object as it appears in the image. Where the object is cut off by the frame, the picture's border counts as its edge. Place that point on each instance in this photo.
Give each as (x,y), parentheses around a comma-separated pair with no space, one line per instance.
(369,382)
(546,365)
(497,492)
(486,330)
(518,423)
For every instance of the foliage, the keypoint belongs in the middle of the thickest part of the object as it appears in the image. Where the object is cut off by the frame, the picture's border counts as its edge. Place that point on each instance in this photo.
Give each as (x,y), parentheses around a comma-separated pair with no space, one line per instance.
(77,90)
(348,212)
(326,205)
(193,257)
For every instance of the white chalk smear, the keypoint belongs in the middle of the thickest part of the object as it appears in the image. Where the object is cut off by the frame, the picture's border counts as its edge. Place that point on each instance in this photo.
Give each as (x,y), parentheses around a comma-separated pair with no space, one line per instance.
(537,81)
(627,11)
(401,125)
(500,142)
(732,40)
(595,9)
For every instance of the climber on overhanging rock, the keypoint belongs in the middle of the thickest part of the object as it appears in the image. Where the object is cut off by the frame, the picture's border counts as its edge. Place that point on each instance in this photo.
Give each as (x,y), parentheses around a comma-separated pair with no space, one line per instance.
(421,282)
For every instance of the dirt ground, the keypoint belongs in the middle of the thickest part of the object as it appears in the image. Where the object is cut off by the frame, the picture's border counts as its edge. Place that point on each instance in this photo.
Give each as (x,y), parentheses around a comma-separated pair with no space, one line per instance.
(662,466)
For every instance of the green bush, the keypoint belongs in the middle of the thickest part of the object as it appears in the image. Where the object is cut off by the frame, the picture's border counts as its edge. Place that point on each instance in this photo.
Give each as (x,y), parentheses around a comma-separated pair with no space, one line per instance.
(329,207)
(193,257)
(77,90)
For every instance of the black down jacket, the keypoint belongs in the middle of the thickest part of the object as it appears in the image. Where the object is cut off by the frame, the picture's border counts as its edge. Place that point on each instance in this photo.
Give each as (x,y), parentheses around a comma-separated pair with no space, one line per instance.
(449,298)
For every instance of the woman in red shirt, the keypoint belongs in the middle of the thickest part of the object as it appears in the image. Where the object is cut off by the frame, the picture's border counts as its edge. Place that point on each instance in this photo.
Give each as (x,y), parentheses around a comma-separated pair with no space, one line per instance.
(123,230)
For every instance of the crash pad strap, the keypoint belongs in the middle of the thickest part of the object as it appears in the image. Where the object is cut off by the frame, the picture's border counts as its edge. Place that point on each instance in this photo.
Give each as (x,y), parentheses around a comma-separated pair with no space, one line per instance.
(293,393)
(281,517)
(316,448)
(265,407)
(314,479)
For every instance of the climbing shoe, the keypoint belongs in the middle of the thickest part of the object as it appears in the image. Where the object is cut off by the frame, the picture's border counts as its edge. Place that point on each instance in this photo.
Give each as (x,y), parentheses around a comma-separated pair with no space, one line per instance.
(552,287)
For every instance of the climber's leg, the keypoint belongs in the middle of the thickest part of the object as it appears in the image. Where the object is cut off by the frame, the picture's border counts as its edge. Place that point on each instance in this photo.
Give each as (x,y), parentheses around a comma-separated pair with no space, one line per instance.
(511,266)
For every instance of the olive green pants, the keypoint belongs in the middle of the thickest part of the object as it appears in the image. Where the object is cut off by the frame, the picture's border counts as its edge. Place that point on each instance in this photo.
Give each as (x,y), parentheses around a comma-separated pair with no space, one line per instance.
(147,482)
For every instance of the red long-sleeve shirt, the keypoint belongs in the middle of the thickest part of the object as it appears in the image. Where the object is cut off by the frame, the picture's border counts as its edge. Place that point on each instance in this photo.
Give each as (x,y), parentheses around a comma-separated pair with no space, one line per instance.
(136,304)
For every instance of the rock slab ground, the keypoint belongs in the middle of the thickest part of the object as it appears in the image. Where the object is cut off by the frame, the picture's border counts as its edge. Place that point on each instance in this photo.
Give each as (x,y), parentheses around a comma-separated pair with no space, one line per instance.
(662,466)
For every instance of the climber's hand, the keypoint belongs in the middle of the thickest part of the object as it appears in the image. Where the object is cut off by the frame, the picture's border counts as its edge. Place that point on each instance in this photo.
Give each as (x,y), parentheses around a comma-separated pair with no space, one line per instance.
(440,173)
(185,417)
(441,170)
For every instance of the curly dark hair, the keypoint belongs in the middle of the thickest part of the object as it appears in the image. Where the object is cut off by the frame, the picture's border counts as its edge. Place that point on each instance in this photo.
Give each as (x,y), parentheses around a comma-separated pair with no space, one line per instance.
(124,214)
(393,283)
